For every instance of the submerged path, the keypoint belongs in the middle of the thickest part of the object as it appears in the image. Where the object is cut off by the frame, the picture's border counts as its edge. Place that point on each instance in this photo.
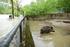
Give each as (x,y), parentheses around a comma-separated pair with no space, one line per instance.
(56,39)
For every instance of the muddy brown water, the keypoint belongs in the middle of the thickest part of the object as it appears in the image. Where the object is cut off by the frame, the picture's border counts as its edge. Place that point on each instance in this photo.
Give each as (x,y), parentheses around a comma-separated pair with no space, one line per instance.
(59,38)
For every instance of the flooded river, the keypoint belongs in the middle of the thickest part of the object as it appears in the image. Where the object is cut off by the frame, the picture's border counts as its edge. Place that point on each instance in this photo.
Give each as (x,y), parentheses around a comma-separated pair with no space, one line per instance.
(59,38)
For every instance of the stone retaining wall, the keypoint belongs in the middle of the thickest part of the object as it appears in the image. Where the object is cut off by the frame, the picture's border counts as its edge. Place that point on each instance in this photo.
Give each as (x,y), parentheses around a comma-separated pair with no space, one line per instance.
(51,16)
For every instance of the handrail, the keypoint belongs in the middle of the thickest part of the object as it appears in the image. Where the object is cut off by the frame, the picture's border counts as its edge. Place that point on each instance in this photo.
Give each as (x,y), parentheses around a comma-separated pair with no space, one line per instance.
(9,37)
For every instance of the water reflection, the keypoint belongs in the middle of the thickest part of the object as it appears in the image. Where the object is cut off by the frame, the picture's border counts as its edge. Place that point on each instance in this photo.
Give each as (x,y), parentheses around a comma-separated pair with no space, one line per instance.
(59,38)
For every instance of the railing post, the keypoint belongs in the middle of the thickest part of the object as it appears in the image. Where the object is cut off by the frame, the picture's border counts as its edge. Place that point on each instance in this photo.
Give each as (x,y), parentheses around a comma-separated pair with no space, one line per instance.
(20,33)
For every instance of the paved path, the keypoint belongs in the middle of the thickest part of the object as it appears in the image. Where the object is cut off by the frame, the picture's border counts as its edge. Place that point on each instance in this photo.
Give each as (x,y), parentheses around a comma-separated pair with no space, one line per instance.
(6,25)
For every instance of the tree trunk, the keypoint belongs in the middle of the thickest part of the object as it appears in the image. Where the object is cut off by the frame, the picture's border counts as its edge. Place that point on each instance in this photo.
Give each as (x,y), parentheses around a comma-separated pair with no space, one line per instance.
(12,8)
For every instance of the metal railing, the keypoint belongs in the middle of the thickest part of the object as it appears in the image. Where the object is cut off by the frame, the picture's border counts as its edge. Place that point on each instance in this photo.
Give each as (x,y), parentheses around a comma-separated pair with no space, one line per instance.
(16,32)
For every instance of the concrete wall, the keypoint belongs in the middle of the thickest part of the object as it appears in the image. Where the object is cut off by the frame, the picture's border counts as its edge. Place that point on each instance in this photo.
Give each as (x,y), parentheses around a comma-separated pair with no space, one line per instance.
(59,16)
(51,16)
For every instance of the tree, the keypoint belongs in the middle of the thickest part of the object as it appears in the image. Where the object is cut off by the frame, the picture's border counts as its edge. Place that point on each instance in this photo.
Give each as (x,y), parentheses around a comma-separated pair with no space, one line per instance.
(4,7)
(64,5)
(41,7)
(15,8)
(34,9)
